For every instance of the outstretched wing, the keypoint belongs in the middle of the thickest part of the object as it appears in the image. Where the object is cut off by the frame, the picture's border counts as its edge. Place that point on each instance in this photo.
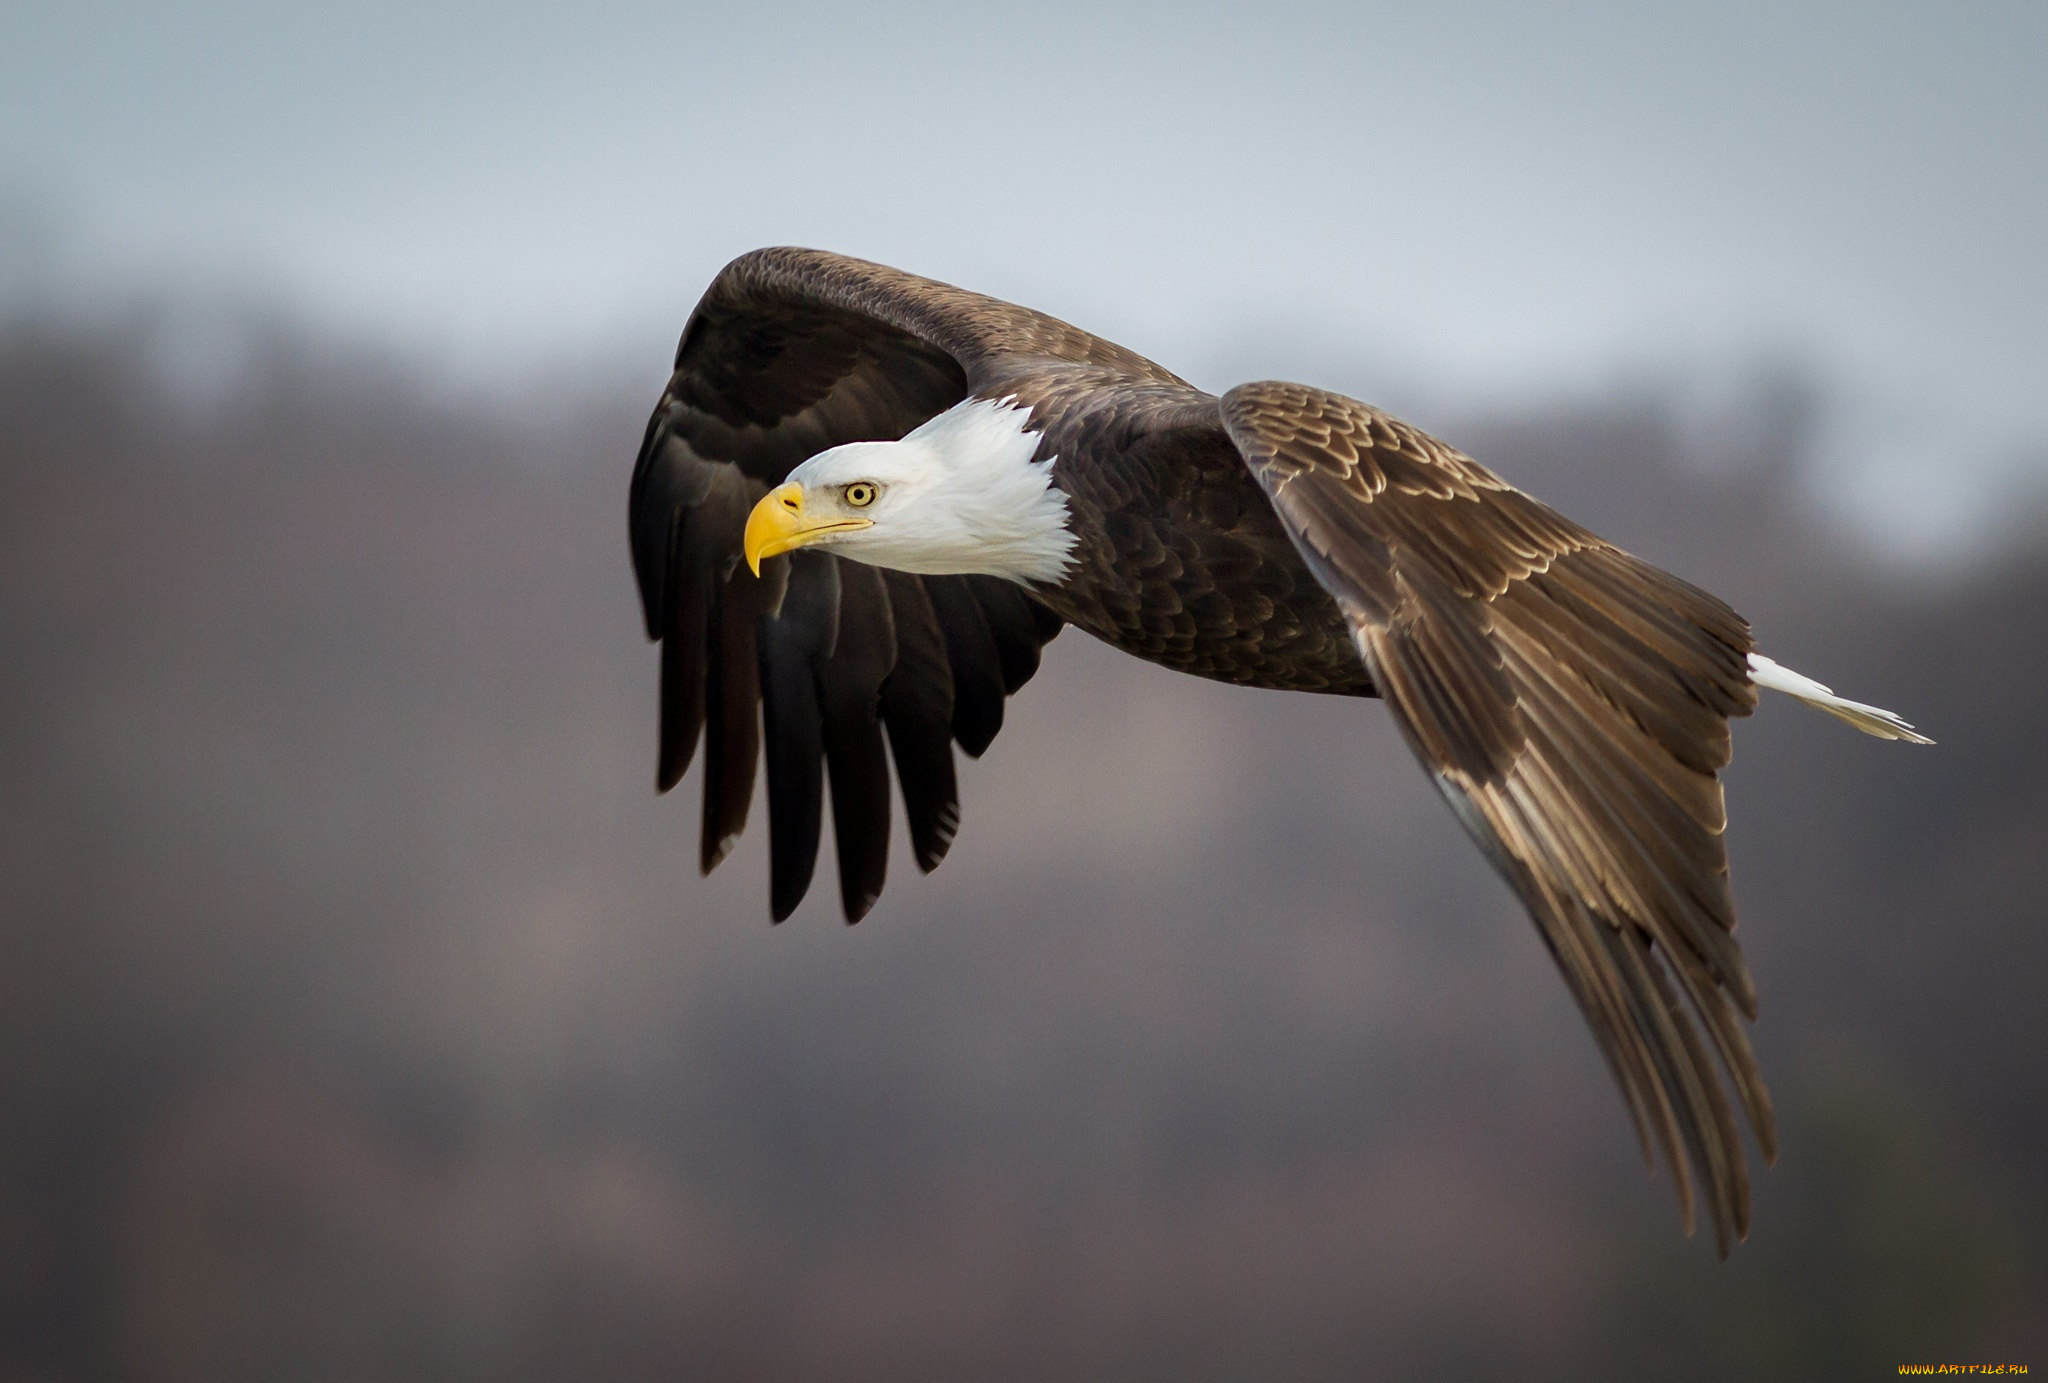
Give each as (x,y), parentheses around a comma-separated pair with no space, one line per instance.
(1572,704)
(791,352)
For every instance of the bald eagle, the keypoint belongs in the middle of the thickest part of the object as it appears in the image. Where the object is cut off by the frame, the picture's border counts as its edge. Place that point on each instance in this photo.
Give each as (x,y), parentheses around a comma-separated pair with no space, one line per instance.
(867,500)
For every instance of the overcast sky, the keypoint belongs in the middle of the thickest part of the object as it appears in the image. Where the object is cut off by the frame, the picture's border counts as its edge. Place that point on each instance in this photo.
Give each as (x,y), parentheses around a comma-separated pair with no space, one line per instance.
(1491,201)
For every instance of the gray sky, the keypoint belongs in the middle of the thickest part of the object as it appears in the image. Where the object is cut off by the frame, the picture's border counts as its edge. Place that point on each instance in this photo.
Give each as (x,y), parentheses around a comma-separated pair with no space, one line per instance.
(1485,200)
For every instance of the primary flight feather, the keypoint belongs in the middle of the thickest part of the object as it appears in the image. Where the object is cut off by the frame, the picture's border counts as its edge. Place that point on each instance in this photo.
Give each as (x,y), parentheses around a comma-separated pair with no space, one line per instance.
(866,500)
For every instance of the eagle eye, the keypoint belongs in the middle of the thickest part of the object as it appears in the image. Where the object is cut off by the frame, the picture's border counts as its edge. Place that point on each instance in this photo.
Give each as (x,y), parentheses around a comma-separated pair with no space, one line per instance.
(860,494)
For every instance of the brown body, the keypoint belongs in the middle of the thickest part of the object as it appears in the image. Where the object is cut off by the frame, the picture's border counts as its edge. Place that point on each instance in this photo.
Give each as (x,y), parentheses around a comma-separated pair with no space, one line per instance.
(1181,559)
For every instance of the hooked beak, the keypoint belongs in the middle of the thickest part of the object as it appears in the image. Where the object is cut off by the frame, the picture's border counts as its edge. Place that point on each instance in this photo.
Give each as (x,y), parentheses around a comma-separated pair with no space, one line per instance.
(778,524)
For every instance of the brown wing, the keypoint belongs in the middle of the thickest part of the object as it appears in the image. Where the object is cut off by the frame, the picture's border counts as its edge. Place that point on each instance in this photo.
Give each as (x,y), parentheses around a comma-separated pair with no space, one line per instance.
(1572,704)
(791,352)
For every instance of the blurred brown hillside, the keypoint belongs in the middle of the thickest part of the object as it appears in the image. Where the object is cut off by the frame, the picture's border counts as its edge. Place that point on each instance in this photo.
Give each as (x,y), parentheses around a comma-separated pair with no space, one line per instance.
(362,1015)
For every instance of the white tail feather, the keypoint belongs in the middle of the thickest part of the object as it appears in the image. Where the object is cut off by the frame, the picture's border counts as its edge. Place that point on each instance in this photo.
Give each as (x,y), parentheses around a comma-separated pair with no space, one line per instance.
(1871,720)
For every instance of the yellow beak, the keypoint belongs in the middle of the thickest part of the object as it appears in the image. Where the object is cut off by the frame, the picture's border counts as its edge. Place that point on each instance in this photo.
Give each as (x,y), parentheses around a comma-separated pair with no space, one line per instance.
(778,524)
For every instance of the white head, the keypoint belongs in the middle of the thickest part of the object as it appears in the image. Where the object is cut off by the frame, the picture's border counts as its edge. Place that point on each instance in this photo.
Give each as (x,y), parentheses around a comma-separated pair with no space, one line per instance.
(959,494)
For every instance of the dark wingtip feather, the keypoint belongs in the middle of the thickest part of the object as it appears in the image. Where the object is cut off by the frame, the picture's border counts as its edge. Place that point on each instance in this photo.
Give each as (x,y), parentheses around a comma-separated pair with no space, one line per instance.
(946,827)
(796,749)
(732,718)
(702,538)
(849,691)
(976,664)
(917,708)
(712,854)
(924,771)
(860,808)
(682,704)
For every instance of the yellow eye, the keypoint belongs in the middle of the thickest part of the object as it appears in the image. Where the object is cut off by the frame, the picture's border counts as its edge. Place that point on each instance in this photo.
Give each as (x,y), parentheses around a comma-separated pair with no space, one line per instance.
(860,494)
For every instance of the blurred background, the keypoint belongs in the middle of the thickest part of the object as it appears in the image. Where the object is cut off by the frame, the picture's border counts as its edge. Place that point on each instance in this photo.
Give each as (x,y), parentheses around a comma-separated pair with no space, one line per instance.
(362,1015)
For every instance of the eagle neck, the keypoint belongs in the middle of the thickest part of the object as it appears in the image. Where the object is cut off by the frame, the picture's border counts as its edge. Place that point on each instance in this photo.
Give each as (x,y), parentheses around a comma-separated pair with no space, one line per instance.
(997,505)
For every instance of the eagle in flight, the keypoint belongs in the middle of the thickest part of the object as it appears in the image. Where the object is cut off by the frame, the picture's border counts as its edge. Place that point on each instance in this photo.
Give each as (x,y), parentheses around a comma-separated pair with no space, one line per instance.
(866,500)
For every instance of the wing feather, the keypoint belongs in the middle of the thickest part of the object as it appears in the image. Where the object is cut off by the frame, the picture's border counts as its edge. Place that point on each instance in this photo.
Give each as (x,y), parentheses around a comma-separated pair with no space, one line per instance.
(789,353)
(793,642)
(682,670)
(1571,702)
(976,660)
(732,720)
(850,696)
(917,708)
